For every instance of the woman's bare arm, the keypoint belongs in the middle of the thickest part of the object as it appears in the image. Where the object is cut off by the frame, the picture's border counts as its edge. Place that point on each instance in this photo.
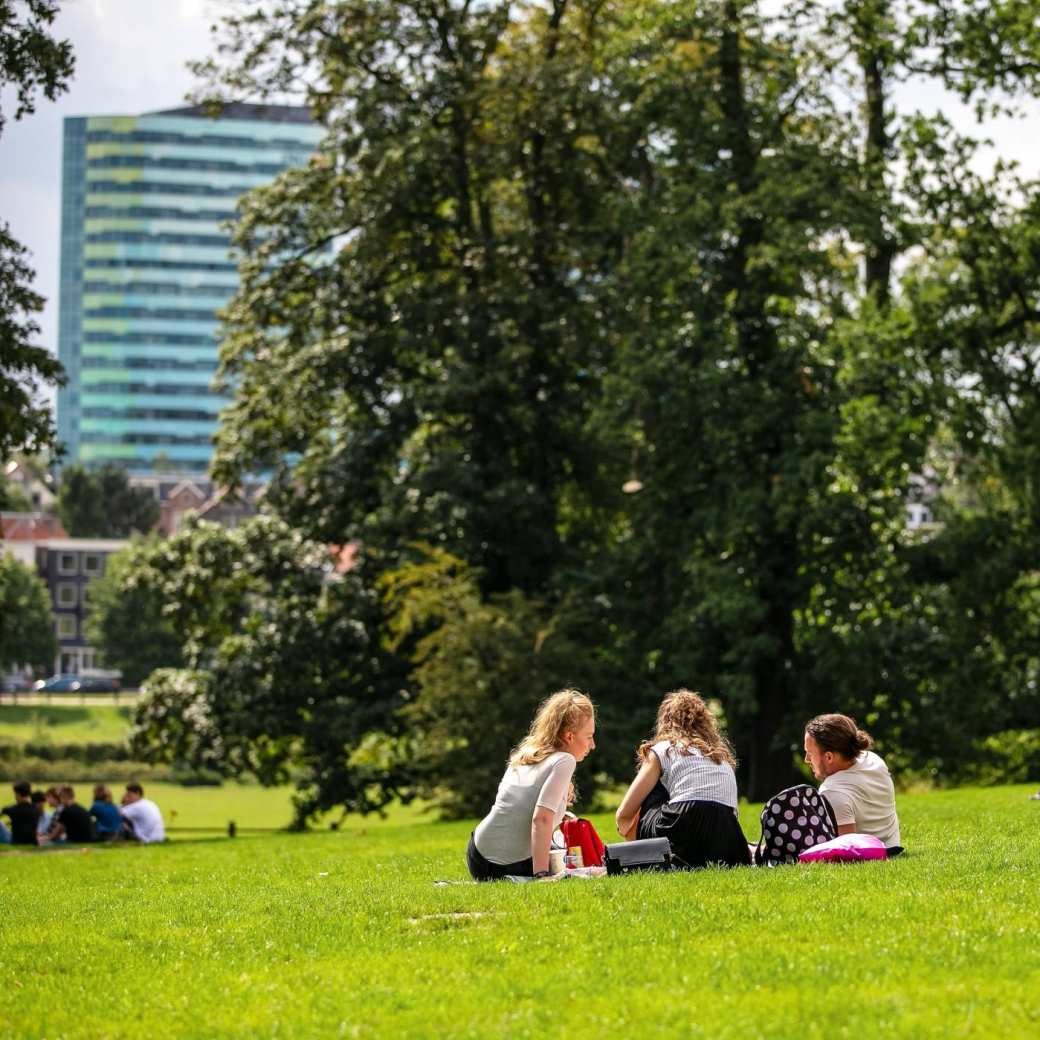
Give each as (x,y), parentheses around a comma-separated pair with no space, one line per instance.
(541,837)
(648,775)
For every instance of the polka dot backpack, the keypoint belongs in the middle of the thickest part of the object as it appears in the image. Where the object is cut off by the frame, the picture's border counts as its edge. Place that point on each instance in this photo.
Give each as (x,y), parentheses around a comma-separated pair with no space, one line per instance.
(793,821)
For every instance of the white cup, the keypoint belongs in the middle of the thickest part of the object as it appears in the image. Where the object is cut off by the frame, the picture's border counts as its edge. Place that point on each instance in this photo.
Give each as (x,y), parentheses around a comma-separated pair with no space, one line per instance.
(556,861)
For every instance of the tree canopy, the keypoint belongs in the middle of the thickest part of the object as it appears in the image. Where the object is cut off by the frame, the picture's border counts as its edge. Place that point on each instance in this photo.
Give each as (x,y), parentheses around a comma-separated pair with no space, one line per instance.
(26,629)
(126,622)
(627,309)
(101,503)
(31,61)
(284,672)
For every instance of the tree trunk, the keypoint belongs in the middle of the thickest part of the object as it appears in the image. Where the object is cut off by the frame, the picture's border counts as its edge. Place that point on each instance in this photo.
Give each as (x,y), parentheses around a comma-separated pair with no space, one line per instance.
(772,554)
(770,767)
(880,247)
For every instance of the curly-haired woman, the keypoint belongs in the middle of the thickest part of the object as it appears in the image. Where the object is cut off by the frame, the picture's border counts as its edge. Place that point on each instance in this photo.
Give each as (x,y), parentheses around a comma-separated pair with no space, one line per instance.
(693,762)
(514,838)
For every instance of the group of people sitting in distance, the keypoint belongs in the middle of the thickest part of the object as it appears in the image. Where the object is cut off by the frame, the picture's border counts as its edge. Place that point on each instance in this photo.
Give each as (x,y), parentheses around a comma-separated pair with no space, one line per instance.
(685,790)
(54,816)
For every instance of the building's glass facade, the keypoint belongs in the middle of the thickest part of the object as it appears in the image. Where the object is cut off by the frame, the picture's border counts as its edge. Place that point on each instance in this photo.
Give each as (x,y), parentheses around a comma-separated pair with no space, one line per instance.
(145,266)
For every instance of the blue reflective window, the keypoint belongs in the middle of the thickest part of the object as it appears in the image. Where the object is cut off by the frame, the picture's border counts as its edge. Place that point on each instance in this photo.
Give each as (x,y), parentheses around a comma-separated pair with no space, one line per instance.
(156,313)
(163,188)
(147,263)
(160,213)
(149,162)
(158,238)
(148,413)
(166,338)
(161,389)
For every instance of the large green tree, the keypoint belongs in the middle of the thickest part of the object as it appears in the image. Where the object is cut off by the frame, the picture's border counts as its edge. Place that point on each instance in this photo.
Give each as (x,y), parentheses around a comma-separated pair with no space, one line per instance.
(481,666)
(31,60)
(12,497)
(100,503)
(435,383)
(792,389)
(285,672)
(554,251)
(26,627)
(126,622)
(944,380)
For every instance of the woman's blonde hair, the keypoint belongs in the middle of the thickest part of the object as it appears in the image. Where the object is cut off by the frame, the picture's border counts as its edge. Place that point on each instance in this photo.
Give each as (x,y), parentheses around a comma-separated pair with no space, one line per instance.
(558,714)
(687,723)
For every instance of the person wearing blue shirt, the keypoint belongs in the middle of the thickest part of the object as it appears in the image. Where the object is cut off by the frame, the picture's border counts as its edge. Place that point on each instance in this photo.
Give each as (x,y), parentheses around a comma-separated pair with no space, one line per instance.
(108,819)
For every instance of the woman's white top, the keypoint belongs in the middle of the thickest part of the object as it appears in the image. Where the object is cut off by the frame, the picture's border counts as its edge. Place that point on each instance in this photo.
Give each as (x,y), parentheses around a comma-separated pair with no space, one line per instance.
(865,796)
(691,777)
(504,835)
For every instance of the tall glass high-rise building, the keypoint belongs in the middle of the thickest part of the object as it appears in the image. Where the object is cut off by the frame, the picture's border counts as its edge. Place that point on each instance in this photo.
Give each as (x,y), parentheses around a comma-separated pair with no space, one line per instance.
(145,265)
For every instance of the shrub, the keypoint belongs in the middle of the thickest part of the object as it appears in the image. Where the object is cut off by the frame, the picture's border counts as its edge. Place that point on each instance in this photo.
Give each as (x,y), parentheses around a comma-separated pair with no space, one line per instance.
(85,753)
(1011,757)
(41,770)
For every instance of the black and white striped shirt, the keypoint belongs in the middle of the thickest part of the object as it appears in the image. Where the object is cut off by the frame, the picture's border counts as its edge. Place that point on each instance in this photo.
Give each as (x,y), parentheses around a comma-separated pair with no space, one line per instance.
(690,777)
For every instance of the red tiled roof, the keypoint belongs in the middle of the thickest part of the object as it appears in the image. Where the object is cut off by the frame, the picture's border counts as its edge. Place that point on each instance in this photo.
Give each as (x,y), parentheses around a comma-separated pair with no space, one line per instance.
(30,527)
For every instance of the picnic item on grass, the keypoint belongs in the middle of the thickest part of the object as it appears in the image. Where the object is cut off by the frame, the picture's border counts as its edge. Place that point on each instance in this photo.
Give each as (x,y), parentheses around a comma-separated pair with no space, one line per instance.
(580,832)
(624,857)
(793,821)
(846,848)
(583,872)
(577,872)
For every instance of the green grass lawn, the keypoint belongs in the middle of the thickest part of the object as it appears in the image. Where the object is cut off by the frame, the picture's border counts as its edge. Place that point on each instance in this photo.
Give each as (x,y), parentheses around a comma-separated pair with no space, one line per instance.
(63,724)
(190,811)
(185,808)
(345,934)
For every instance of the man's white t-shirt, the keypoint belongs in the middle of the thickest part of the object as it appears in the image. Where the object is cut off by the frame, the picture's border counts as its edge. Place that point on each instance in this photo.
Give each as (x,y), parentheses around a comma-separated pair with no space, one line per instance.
(147,820)
(864,796)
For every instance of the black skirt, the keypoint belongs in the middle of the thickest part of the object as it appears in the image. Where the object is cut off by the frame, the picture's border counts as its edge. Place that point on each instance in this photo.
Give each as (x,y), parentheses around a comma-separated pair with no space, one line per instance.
(481,869)
(700,833)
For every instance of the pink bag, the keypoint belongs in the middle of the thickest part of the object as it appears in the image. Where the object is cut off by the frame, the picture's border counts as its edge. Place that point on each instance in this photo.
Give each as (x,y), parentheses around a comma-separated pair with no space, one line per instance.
(846,848)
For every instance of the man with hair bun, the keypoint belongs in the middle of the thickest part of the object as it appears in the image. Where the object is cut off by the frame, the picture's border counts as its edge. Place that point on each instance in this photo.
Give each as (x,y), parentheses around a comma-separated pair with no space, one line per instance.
(856,781)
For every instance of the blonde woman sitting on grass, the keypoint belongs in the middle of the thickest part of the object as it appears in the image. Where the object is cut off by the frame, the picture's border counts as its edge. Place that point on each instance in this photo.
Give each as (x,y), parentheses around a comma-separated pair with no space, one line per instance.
(514,838)
(695,806)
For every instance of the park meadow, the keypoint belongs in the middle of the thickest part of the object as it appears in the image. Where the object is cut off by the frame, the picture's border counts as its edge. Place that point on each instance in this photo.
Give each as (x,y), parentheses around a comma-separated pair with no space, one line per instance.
(612,346)
(349,933)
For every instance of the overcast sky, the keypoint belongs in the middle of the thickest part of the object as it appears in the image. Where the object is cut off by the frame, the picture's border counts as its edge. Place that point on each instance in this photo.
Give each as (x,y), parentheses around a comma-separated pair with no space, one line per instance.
(131,57)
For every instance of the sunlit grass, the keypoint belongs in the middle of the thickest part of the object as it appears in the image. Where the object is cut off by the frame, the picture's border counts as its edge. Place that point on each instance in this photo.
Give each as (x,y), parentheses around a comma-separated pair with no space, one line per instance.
(345,933)
(64,724)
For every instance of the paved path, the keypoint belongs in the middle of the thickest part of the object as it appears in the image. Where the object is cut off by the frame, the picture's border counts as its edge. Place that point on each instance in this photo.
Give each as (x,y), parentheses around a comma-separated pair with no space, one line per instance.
(33,700)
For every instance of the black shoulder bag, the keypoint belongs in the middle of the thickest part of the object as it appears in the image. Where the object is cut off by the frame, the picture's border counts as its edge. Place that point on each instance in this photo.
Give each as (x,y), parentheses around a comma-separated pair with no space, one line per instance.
(624,857)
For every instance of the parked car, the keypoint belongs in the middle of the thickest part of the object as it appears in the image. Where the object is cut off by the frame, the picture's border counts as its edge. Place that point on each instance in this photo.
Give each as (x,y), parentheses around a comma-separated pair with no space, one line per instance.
(57,684)
(77,684)
(15,684)
(97,684)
